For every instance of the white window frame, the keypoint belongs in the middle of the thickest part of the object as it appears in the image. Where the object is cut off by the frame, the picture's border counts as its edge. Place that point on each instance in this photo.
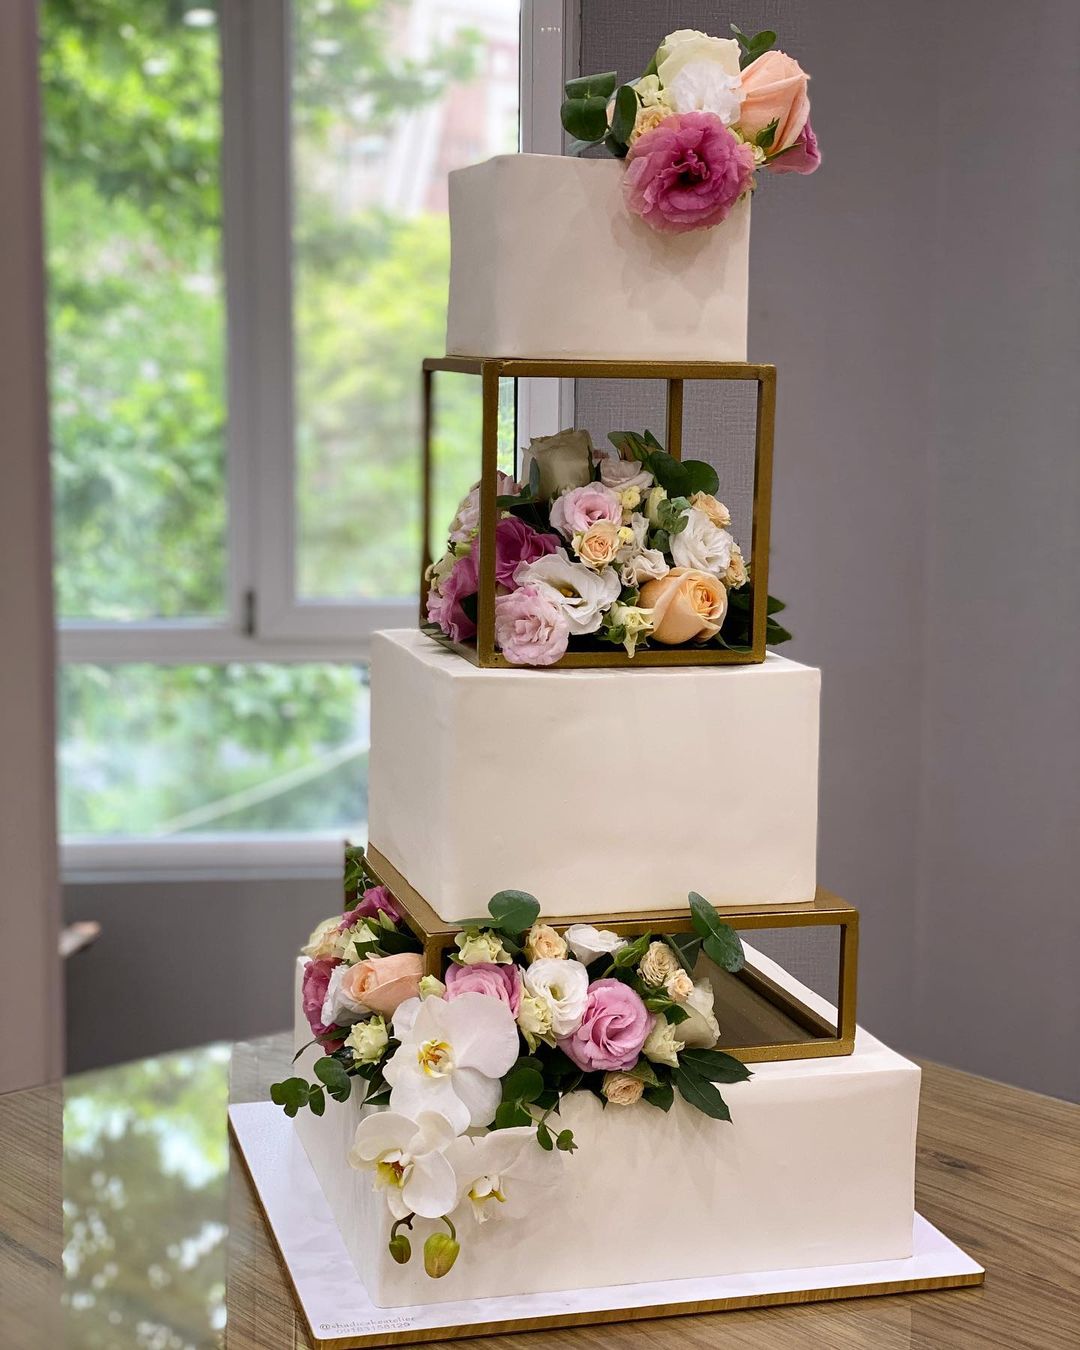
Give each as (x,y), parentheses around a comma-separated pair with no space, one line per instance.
(265,620)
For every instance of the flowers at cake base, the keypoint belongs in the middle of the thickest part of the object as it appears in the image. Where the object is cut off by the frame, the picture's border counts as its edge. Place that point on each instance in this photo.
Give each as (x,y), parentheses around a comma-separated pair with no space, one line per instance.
(687,173)
(612,1030)
(451,1057)
(408,1157)
(502,1175)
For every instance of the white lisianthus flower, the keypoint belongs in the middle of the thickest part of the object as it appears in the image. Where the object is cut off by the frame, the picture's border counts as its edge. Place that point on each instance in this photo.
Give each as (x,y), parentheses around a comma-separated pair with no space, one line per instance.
(409,1161)
(368,1040)
(702,545)
(484,946)
(323,941)
(662,1044)
(504,1174)
(648,564)
(534,1019)
(582,594)
(688,45)
(338,1010)
(451,1057)
(431,986)
(701,1030)
(564,987)
(620,474)
(587,942)
(703,86)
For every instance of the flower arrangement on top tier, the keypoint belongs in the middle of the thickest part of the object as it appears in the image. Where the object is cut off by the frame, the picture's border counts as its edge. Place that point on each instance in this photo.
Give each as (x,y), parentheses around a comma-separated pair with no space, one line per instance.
(474,1066)
(627,548)
(695,128)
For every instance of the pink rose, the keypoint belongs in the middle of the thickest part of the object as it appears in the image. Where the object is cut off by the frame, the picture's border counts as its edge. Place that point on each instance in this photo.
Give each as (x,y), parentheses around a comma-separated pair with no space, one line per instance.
(313,991)
(531,627)
(444,605)
(375,900)
(516,542)
(686,174)
(382,982)
(613,1030)
(802,156)
(485,977)
(576,510)
(774,90)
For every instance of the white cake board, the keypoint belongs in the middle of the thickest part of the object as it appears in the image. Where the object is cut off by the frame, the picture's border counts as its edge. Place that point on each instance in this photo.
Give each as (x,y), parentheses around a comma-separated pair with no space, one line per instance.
(339,1313)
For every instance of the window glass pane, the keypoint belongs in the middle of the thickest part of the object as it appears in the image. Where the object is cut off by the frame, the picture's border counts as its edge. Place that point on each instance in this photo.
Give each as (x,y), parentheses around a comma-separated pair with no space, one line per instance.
(185,750)
(132,129)
(388,95)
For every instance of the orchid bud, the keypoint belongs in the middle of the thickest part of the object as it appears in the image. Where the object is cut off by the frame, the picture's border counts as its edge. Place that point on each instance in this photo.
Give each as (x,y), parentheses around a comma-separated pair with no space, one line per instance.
(400,1248)
(440,1253)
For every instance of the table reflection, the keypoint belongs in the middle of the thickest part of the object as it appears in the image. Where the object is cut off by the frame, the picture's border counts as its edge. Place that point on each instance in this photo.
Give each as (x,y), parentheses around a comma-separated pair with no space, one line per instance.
(145,1203)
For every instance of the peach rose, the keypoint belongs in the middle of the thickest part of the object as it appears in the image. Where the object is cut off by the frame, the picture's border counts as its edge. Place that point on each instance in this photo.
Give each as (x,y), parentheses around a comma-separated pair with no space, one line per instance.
(599,544)
(687,606)
(622,1090)
(381,983)
(774,90)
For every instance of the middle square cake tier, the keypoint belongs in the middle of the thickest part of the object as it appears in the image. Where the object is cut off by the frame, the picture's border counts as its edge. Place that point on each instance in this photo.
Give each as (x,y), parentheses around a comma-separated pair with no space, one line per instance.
(598,791)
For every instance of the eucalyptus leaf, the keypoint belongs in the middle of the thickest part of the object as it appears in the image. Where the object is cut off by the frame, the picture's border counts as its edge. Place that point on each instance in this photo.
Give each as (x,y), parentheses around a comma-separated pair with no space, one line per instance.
(514,911)
(686,947)
(588,86)
(337,1082)
(564,1141)
(522,1085)
(624,114)
(585,118)
(511,1114)
(316,1101)
(543,1137)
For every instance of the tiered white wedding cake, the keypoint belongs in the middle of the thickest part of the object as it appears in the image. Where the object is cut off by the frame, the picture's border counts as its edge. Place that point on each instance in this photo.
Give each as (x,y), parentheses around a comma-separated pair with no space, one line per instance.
(514,1095)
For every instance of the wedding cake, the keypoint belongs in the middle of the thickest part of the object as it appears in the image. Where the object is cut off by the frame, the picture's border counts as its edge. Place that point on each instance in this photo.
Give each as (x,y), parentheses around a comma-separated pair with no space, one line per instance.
(523,1045)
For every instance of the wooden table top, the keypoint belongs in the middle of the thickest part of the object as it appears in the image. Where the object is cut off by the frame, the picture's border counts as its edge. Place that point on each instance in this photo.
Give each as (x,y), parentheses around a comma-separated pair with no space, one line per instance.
(124,1222)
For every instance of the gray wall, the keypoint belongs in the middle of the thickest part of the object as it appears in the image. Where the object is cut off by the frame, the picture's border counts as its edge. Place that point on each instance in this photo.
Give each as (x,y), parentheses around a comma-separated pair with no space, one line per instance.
(920,297)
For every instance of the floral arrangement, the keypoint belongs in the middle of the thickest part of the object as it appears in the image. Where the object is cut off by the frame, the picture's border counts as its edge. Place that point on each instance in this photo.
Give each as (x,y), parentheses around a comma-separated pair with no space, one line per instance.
(707,114)
(473,1066)
(626,548)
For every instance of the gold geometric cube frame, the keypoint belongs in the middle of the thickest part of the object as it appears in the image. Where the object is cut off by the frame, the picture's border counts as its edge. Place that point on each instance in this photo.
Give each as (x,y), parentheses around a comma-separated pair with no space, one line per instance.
(763,1020)
(484,652)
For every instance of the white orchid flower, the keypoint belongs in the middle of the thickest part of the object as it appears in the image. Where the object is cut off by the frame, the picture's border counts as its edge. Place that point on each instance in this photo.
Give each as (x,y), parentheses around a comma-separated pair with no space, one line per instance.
(564,987)
(502,1174)
(451,1057)
(409,1161)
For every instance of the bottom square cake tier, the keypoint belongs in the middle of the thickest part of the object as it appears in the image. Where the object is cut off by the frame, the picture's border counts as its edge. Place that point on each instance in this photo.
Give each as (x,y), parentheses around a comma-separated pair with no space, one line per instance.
(816,1168)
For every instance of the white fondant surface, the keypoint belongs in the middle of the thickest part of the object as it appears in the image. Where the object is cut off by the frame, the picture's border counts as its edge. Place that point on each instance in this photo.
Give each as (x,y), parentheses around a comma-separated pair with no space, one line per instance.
(816,1169)
(546,261)
(598,791)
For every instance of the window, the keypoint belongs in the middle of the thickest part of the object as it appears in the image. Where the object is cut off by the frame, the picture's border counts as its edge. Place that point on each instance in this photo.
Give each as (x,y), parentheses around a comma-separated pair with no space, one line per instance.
(247,253)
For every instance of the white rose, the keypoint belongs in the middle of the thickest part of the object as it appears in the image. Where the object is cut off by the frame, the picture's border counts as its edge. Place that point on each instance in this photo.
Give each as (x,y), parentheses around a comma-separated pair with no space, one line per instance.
(649,564)
(543,943)
(620,1089)
(565,461)
(701,1030)
(534,1020)
(587,942)
(582,594)
(688,45)
(702,545)
(476,947)
(678,986)
(662,1045)
(658,963)
(431,987)
(338,1010)
(368,1040)
(703,86)
(564,987)
(619,474)
(324,940)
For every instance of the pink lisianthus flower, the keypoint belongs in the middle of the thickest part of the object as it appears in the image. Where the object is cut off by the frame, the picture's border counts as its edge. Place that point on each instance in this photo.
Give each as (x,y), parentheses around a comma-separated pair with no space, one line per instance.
(313,992)
(444,605)
(687,173)
(375,900)
(530,626)
(485,977)
(516,542)
(613,1030)
(576,510)
(803,156)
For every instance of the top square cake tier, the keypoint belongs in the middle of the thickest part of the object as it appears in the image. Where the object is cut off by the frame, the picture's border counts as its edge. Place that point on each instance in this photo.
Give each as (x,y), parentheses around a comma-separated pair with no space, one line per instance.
(546,261)
(600,792)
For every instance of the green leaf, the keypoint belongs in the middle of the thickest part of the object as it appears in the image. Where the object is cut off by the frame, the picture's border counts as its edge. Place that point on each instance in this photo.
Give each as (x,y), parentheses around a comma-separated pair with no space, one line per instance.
(522,1085)
(629,444)
(393,941)
(337,1081)
(644,1072)
(543,1137)
(590,86)
(701,477)
(676,1014)
(662,1096)
(379,1098)
(511,1114)
(686,947)
(564,1141)
(720,941)
(714,1065)
(701,1094)
(767,135)
(514,911)
(614,147)
(316,1101)
(773,606)
(624,114)
(585,118)
(775,634)
(632,953)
